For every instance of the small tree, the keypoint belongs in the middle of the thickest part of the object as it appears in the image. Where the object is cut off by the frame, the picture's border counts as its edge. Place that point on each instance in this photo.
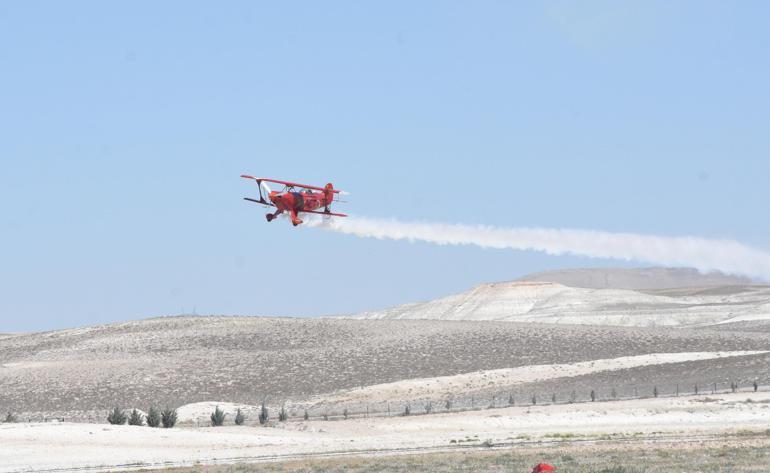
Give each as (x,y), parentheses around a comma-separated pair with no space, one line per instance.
(168,418)
(572,397)
(428,407)
(534,399)
(263,414)
(407,410)
(153,417)
(448,404)
(283,416)
(116,416)
(756,386)
(135,418)
(10,418)
(553,398)
(655,391)
(306,416)
(511,400)
(593,395)
(614,393)
(345,413)
(240,417)
(218,417)
(696,388)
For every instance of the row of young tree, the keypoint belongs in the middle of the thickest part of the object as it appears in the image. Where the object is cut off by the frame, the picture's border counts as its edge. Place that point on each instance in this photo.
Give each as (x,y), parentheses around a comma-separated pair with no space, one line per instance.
(168,417)
(154,418)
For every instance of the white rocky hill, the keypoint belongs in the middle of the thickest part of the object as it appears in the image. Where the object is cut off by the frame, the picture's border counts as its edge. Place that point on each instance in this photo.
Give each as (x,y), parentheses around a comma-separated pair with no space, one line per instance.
(551,302)
(637,278)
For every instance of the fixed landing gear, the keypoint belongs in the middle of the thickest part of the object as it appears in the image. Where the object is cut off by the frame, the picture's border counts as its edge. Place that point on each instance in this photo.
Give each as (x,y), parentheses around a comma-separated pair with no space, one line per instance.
(273,216)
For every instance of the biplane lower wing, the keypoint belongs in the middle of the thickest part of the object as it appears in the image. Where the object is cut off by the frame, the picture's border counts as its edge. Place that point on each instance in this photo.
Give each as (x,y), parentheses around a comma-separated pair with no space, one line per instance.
(258,201)
(322,213)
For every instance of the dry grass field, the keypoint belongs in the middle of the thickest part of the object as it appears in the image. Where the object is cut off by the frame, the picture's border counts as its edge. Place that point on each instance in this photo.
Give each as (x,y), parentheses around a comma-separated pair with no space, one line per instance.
(734,455)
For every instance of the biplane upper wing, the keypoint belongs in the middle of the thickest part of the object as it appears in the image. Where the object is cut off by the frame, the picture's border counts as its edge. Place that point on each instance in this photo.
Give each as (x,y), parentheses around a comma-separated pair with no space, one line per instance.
(289,184)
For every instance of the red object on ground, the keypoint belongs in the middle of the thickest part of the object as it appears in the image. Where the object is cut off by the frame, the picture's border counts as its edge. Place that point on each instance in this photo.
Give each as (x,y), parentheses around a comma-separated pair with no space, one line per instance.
(543,468)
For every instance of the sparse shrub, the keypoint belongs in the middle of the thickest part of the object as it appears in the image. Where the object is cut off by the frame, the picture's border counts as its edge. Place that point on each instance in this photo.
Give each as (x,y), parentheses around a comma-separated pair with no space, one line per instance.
(553,398)
(153,417)
(593,395)
(136,418)
(614,394)
(116,417)
(306,416)
(428,407)
(283,416)
(168,418)
(326,415)
(655,391)
(534,399)
(407,410)
(10,418)
(218,417)
(448,404)
(696,388)
(264,416)
(511,400)
(756,386)
(492,403)
(345,413)
(240,417)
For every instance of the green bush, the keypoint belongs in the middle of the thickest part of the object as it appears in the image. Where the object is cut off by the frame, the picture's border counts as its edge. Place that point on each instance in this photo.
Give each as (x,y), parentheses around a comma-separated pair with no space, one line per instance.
(153,417)
(283,416)
(116,417)
(240,417)
(168,418)
(135,418)
(218,417)
(264,416)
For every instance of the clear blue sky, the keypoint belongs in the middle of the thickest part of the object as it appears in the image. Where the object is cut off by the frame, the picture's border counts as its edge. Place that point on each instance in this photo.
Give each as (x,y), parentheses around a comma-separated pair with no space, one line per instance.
(124,127)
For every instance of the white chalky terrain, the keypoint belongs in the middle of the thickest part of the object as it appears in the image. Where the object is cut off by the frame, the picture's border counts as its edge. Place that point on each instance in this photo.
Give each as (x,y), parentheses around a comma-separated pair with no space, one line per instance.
(547,302)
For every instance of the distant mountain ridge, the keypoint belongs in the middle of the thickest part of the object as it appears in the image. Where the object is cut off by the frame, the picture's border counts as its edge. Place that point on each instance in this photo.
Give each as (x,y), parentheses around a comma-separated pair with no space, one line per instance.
(637,278)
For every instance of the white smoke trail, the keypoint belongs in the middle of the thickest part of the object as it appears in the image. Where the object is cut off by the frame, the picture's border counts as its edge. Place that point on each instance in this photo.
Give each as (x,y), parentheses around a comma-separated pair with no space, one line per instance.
(727,256)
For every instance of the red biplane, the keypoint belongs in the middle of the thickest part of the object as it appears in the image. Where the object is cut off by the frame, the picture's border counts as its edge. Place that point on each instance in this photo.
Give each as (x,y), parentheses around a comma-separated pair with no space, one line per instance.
(307,199)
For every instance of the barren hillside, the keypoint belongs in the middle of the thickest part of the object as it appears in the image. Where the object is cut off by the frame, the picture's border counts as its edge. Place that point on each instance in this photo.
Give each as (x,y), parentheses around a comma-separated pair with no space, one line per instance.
(179,360)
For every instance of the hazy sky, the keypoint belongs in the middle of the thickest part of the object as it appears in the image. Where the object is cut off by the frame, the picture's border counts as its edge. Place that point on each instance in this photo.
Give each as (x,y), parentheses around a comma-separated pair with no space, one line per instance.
(124,127)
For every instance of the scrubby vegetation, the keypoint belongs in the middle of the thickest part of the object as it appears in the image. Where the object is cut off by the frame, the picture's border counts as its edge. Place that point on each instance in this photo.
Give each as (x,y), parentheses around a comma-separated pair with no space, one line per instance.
(10,418)
(264,416)
(116,416)
(153,417)
(168,418)
(240,417)
(218,417)
(136,418)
